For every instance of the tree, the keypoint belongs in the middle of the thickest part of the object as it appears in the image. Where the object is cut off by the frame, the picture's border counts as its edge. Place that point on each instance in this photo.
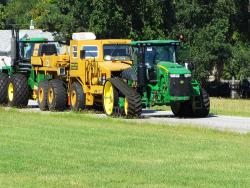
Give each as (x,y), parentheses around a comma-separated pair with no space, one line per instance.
(207,27)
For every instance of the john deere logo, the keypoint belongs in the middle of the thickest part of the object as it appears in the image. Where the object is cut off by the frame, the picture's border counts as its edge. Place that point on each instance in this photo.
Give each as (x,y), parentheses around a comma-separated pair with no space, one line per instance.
(182,82)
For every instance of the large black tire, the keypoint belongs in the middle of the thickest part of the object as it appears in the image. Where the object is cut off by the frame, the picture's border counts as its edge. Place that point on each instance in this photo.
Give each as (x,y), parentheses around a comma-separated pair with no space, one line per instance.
(42,95)
(182,109)
(57,95)
(4,81)
(134,108)
(19,97)
(205,102)
(77,97)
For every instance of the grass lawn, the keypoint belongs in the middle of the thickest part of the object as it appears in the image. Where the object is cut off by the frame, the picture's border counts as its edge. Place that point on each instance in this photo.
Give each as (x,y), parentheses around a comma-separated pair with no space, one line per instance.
(77,150)
(234,107)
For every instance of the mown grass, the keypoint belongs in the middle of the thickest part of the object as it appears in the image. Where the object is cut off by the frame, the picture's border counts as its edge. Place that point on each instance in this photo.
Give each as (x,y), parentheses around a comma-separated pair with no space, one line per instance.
(77,150)
(232,107)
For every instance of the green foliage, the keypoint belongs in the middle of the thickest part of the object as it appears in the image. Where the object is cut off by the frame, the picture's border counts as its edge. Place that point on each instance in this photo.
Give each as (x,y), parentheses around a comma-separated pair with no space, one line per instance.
(2,17)
(239,64)
(212,29)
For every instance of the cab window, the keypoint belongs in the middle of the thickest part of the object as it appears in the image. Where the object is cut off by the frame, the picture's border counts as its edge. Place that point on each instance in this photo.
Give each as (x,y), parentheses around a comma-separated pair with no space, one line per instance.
(91,51)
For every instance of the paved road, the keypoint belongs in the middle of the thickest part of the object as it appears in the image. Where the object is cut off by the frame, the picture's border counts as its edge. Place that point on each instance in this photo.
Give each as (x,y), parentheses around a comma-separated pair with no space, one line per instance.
(224,123)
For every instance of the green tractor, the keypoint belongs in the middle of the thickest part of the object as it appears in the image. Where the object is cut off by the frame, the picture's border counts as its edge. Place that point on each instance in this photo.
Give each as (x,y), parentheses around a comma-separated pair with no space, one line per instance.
(17,78)
(160,80)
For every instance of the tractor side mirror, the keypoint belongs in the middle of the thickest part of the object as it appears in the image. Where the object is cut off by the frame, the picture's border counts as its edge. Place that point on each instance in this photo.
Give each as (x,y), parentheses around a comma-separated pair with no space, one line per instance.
(190,66)
(82,54)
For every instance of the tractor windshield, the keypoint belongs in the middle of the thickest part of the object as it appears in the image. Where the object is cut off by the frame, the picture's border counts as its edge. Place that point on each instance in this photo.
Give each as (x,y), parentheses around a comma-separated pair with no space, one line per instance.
(26,50)
(155,54)
(117,52)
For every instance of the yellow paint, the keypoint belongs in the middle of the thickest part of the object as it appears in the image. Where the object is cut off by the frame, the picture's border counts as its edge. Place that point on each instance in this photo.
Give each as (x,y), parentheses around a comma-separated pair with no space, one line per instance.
(40,95)
(89,99)
(11,92)
(73,98)
(51,95)
(88,72)
(108,98)
(126,106)
(162,67)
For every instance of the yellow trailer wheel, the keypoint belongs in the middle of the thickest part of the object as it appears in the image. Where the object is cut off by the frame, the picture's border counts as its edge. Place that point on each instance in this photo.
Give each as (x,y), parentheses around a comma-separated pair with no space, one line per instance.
(110,98)
(42,95)
(77,97)
(57,95)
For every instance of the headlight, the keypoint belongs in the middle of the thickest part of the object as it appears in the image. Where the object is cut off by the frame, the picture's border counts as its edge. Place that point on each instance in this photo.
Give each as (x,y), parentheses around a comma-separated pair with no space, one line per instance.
(187,75)
(174,76)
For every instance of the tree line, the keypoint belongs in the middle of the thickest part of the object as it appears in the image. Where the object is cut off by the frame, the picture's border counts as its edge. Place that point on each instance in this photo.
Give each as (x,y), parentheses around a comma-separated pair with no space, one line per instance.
(216,32)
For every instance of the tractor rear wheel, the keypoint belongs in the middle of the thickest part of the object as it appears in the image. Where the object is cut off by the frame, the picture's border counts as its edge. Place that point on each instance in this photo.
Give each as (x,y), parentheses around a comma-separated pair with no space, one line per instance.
(4,80)
(43,94)
(18,91)
(205,105)
(110,99)
(77,97)
(57,95)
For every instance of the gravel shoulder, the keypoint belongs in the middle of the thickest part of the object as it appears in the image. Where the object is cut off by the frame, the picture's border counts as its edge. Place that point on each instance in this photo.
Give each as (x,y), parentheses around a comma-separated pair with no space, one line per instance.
(218,122)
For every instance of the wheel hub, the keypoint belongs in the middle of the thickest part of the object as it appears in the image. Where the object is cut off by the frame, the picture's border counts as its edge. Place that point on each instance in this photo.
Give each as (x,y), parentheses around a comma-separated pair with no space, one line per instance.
(10,91)
(108,98)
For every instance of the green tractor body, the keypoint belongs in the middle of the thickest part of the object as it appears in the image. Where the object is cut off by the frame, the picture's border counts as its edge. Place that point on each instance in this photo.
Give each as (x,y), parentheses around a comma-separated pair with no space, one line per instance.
(162,81)
(18,77)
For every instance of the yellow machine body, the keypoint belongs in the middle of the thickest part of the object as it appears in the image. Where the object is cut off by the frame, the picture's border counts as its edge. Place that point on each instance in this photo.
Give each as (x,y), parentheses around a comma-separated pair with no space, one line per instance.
(90,72)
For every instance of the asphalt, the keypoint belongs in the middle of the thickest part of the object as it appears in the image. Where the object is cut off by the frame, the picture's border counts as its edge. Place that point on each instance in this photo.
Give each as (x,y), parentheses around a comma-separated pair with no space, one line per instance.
(218,122)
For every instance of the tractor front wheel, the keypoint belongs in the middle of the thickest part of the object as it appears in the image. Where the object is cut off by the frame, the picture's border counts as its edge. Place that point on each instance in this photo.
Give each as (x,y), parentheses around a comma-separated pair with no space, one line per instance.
(4,80)
(77,97)
(18,91)
(182,109)
(57,95)
(205,105)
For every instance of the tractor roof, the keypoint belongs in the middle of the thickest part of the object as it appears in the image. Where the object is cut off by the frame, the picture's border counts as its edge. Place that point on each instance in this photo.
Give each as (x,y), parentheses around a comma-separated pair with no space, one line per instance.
(34,40)
(155,42)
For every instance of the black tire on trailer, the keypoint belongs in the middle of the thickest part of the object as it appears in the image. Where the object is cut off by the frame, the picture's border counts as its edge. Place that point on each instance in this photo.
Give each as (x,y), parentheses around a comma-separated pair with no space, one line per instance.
(43,95)
(18,91)
(77,97)
(4,81)
(205,102)
(57,95)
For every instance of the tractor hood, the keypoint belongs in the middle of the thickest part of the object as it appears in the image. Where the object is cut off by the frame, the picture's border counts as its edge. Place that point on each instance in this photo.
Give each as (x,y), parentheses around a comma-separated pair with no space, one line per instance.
(115,65)
(172,68)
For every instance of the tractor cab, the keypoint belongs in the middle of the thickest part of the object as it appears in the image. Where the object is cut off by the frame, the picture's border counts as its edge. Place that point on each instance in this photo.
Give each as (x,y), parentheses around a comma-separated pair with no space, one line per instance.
(117,52)
(27,46)
(155,56)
